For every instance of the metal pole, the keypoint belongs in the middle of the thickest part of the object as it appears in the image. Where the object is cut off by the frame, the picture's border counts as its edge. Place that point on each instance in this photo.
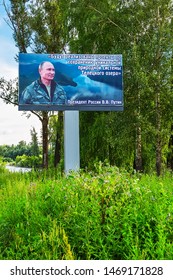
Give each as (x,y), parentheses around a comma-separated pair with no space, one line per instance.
(71,141)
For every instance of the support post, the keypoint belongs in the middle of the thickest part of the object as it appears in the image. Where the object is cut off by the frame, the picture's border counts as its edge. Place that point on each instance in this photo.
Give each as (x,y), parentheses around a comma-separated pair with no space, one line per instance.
(71,141)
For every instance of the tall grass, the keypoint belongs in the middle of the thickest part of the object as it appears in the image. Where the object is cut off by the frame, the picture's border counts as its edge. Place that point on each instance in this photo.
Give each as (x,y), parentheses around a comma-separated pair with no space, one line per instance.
(107,215)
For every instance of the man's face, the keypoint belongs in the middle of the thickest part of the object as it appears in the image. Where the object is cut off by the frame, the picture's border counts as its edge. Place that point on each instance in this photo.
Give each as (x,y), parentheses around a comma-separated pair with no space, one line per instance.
(47,72)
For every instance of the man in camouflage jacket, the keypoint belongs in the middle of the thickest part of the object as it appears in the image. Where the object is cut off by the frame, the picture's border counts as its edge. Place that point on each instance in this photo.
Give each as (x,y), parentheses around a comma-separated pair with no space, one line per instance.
(44,90)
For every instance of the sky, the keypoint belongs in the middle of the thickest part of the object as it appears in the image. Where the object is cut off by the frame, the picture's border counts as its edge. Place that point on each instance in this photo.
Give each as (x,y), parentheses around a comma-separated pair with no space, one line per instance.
(14,126)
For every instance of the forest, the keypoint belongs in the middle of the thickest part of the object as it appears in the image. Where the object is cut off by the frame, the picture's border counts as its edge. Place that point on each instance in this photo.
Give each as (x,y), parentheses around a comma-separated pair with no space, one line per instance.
(138,138)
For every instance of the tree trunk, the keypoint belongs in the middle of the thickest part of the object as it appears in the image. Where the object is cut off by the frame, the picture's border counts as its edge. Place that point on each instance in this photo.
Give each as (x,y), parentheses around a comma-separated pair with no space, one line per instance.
(158,137)
(45,122)
(58,143)
(158,156)
(170,153)
(138,158)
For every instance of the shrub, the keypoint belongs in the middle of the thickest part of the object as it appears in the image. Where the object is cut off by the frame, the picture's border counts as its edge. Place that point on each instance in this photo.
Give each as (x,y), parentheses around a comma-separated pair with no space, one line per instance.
(106,215)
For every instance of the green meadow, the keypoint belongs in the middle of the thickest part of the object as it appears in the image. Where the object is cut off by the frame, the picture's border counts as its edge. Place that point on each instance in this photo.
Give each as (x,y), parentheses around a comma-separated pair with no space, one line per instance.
(105,215)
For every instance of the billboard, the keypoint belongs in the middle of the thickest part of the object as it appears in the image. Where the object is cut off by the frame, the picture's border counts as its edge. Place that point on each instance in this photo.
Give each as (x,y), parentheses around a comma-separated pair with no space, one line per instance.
(58,82)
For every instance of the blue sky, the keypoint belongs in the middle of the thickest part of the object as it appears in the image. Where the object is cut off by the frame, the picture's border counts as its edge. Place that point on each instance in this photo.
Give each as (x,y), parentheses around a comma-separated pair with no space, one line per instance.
(14,127)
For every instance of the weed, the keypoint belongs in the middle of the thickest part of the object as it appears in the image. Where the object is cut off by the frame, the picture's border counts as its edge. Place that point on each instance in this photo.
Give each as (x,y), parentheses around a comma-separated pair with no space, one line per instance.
(110,214)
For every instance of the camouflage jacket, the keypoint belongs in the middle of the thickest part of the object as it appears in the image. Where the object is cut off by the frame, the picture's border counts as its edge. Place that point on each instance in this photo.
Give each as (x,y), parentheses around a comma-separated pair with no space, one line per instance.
(36,93)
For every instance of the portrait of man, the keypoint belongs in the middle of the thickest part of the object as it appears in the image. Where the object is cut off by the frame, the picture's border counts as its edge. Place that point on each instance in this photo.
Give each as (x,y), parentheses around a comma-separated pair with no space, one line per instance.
(45,90)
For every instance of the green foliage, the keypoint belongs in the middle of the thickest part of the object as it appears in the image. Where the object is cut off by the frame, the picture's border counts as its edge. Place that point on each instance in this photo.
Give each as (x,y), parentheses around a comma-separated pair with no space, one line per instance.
(106,139)
(145,42)
(22,31)
(35,151)
(22,154)
(141,31)
(2,163)
(12,151)
(28,161)
(104,215)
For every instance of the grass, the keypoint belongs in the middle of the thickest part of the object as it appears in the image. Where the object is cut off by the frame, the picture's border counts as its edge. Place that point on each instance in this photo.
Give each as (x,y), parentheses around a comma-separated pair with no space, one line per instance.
(104,216)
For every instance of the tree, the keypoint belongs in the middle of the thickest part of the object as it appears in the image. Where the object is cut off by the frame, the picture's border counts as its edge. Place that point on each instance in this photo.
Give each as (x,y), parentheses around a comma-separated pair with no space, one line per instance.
(142,32)
(56,137)
(35,151)
(8,91)
(39,26)
(9,94)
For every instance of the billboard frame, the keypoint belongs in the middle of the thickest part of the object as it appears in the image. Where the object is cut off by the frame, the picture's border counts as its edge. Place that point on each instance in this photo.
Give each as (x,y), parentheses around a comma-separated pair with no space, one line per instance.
(106,63)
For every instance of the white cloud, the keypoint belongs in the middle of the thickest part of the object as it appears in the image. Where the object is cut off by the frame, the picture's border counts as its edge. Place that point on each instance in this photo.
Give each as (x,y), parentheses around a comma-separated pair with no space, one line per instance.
(14,127)
(9,72)
(9,67)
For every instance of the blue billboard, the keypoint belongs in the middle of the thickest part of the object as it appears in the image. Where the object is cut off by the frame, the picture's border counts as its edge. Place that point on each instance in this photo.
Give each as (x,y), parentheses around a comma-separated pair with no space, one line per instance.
(58,82)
